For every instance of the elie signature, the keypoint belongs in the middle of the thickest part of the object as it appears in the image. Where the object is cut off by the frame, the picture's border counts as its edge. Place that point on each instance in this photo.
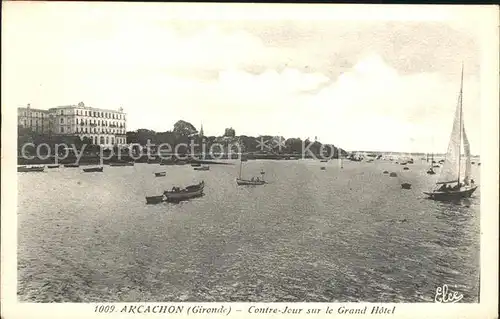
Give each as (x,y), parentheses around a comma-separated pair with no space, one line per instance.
(445,295)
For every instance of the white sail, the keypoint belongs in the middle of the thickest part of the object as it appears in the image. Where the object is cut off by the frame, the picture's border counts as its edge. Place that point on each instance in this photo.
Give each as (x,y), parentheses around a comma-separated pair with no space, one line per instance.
(450,169)
(468,167)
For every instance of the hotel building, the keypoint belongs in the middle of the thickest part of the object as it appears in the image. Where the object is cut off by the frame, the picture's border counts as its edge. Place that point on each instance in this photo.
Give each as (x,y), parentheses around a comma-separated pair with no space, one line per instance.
(103,127)
(35,119)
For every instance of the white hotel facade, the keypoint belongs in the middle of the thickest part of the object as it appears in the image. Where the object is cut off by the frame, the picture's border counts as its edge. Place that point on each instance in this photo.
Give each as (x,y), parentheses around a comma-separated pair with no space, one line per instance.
(103,127)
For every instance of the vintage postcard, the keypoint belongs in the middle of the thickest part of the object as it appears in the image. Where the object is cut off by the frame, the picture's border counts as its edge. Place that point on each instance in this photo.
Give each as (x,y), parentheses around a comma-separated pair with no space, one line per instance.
(249,160)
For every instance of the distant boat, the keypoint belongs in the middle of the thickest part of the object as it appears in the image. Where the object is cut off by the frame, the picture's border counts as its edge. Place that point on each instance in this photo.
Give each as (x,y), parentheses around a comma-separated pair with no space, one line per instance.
(406,186)
(202,168)
(116,164)
(195,164)
(154,199)
(71,165)
(53,166)
(406,168)
(255,181)
(385,172)
(393,174)
(403,163)
(160,174)
(324,161)
(180,163)
(93,169)
(451,172)
(323,168)
(27,169)
(430,171)
(178,194)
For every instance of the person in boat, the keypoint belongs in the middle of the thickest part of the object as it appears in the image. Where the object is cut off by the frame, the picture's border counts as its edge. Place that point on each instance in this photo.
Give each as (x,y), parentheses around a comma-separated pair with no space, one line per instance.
(458,186)
(443,188)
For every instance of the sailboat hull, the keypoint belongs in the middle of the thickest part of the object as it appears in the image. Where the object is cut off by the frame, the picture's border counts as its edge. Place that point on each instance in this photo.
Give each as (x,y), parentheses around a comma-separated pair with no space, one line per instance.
(451,195)
(249,182)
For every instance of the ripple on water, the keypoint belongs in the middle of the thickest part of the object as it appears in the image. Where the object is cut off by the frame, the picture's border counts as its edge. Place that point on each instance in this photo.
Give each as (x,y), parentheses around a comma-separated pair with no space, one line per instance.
(310,235)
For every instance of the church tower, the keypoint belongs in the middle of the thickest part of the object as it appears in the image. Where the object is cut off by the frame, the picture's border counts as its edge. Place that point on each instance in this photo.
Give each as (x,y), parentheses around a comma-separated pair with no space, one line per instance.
(201,131)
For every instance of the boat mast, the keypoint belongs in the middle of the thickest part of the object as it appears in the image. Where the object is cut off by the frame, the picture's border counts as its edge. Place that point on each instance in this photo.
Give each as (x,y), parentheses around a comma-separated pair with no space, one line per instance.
(460,119)
(241,163)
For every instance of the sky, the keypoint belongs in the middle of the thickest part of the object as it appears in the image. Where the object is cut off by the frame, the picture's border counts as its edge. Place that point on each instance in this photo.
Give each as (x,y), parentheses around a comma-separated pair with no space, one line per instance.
(365,83)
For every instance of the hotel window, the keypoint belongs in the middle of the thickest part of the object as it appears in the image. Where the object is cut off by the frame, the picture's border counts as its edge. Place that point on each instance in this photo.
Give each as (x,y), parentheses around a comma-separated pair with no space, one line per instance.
(62,120)
(62,129)
(62,112)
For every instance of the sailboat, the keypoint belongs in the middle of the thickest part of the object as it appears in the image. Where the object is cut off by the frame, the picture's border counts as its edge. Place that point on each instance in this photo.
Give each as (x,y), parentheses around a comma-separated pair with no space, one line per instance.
(253,181)
(451,185)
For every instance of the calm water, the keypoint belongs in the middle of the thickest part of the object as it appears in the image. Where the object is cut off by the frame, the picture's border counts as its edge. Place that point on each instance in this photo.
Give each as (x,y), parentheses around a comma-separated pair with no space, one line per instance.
(342,235)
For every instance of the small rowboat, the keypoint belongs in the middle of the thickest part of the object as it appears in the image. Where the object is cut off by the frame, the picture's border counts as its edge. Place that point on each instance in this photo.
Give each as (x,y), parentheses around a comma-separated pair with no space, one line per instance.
(160,174)
(386,172)
(406,186)
(93,169)
(393,174)
(323,168)
(53,166)
(177,194)
(202,168)
(154,199)
(121,164)
(406,168)
(27,169)
(71,165)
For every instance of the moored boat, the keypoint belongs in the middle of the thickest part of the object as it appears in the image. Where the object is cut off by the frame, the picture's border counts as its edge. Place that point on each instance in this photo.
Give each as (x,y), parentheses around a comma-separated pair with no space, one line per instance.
(160,174)
(195,164)
(53,166)
(202,168)
(406,186)
(154,199)
(116,164)
(71,165)
(393,174)
(451,185)
(178,194)
(430,171)
(93,169)
(27,169)
(255,181)
(406,168)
